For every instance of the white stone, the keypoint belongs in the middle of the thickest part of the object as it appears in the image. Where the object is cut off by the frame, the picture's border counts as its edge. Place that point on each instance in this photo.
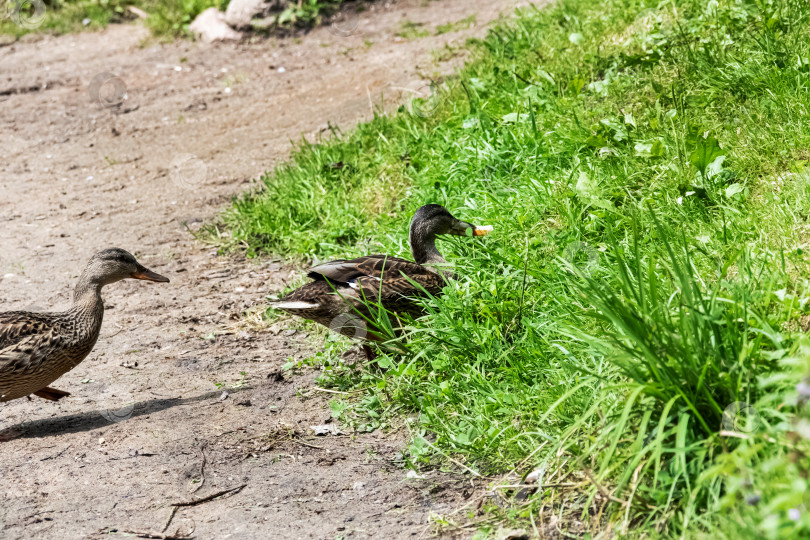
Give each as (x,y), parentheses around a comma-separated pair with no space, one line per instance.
(210,26)
(241,12)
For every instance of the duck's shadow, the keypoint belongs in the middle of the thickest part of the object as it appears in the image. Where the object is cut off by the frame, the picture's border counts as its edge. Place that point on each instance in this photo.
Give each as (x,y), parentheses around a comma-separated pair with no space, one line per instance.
(90,420)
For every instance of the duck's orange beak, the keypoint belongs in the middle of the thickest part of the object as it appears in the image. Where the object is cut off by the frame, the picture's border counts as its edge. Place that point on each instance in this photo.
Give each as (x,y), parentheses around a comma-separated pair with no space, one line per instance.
(462,228)
(483,230)
(148,275)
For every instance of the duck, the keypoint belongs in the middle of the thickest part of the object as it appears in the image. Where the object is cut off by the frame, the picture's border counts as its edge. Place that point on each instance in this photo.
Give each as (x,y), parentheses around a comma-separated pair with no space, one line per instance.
(342,290)
(38,348)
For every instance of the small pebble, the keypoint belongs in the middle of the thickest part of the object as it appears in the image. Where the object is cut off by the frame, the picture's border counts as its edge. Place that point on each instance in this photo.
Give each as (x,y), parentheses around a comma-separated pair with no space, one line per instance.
(534,476)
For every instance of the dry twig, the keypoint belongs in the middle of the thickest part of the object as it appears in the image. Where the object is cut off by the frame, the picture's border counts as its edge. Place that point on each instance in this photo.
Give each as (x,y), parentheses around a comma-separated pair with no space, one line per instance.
(157,536)
(195,502)
(211,497)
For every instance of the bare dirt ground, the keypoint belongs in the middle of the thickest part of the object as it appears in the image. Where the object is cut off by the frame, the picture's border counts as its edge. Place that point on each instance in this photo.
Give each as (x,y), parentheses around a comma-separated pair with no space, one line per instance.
(146,424)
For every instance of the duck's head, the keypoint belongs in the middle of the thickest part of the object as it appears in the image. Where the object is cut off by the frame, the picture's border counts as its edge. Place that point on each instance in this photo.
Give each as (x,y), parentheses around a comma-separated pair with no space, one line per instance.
(434,219)
(115,264)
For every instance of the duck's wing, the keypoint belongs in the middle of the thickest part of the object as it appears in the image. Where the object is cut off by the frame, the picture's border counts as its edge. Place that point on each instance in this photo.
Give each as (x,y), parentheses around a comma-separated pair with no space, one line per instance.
(29,365)
(346,270)
(29,353)
(357,285)
(378,277)
(16,326)
(374,266)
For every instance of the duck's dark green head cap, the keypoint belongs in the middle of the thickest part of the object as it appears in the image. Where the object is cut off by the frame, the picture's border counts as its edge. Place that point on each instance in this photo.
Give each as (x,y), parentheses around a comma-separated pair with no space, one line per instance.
(437,219)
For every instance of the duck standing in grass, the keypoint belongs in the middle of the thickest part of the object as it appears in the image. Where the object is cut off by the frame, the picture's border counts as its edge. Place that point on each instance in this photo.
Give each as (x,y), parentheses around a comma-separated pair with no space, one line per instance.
(38,348)
(343,290)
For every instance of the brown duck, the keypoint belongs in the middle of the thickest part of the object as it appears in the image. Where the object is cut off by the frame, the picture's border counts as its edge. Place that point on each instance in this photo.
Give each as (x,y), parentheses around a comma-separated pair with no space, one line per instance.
(342,290)
(38,348)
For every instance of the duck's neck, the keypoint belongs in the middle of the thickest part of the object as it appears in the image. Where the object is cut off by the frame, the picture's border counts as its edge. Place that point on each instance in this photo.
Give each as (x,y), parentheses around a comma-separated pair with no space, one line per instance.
(88,289)
(423,247)
(88,303)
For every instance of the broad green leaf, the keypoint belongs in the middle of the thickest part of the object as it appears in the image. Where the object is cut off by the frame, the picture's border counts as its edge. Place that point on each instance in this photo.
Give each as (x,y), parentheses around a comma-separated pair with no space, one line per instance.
(653,149)
(586,187)
(733,189)
(471,122)
(477,84)
(629,120)
(545,75)
(707,149)
(513,118)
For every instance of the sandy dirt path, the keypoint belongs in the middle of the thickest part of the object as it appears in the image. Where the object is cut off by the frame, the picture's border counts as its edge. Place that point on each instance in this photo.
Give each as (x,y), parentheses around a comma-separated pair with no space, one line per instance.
(147,425)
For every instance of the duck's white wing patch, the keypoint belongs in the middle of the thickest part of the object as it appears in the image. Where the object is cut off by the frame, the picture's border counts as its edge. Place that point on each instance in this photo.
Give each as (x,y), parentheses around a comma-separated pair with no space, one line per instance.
(354,285)
(330,267)
(295,305)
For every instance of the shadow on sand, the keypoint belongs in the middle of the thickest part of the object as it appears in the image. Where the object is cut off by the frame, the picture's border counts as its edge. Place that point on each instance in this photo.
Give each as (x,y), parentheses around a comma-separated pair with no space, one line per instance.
(88,421)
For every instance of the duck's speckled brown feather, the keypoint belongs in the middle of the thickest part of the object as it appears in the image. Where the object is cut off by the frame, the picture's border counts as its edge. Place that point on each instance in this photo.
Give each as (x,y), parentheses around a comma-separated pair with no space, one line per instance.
(38,348)
(346,286)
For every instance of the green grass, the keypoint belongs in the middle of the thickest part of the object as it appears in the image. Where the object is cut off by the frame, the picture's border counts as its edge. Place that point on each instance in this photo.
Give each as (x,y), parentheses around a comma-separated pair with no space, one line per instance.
(412,30)
(646,172)
(166,18)
(463,24)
